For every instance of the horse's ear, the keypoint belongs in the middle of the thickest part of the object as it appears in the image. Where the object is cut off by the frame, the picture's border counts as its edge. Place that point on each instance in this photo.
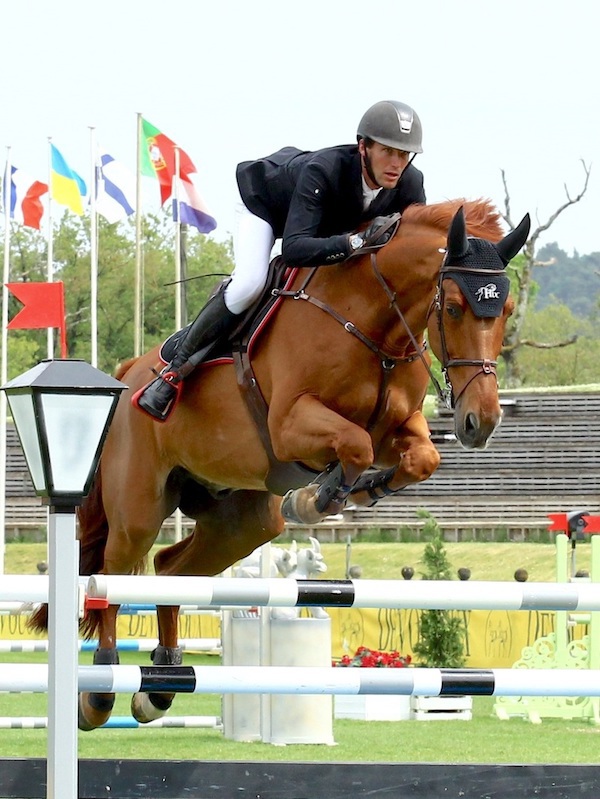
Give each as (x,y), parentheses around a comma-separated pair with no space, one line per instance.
(513,241)
(458,244)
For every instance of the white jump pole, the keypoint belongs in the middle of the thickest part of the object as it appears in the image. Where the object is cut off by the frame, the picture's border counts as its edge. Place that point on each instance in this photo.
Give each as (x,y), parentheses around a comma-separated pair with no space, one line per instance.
(394,594)
(313,680)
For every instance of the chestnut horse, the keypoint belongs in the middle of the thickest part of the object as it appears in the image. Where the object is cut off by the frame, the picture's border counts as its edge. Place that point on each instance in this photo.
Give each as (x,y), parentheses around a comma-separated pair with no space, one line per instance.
(343,369)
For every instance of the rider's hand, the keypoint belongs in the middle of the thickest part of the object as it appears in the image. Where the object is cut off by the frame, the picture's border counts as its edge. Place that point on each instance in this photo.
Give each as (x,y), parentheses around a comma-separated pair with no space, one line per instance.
(372,235)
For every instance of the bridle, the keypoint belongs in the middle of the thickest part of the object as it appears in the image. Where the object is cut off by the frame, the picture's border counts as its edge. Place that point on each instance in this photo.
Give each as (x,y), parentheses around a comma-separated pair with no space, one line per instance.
(387,362)
(486,366)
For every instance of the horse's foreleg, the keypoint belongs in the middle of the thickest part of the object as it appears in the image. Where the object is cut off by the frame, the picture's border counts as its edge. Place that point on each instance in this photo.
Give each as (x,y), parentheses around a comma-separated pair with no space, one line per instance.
(311,432)
(151,706)
(95,708)
(417,460)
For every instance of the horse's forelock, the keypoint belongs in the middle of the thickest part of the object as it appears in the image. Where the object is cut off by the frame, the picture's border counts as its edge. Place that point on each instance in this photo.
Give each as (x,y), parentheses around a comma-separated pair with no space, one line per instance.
(482,217)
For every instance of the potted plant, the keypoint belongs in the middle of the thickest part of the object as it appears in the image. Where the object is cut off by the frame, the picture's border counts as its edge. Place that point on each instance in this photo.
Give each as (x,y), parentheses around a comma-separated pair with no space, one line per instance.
(372,707)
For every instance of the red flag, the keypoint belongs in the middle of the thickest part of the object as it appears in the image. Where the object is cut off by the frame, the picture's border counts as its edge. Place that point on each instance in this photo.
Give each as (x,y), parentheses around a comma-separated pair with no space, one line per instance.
(43,306)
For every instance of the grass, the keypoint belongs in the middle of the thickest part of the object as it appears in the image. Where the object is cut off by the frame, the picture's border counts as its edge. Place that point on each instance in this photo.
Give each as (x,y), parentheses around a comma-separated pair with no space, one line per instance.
(487,560)
(484,739)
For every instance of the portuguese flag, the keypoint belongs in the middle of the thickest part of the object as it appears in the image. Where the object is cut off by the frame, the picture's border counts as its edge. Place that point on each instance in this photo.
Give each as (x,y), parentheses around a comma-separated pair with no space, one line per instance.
(158,159)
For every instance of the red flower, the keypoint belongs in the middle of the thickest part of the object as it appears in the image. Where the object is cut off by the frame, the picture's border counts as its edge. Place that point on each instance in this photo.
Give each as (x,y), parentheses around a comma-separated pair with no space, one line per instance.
(365,658)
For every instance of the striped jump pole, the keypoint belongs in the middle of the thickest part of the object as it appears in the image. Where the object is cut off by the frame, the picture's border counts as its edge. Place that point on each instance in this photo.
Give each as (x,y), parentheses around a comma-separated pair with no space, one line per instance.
(123,645)
(116,722)
(314,680)
(393,594)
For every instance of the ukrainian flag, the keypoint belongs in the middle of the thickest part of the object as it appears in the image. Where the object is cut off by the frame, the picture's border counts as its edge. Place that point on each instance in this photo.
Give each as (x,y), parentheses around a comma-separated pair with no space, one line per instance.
(66,187)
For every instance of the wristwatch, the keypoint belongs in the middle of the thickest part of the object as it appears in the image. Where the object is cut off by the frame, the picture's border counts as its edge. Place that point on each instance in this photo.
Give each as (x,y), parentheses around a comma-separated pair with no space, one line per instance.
(356,241)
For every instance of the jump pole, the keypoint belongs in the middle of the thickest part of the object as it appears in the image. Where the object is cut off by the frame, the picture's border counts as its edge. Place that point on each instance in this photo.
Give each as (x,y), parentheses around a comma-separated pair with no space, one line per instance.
(392,594)
(314,680)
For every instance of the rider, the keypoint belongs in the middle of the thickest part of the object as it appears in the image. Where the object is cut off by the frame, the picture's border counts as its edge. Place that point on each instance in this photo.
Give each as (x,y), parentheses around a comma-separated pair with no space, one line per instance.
(313,201)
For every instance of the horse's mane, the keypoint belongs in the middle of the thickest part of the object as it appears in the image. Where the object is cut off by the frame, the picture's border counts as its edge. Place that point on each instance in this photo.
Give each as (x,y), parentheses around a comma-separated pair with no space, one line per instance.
(482,217)
(124,367)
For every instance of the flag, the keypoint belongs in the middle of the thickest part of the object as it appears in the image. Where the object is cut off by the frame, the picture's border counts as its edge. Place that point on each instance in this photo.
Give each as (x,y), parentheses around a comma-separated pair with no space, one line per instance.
(23,204)
(66,186)
(158,159)
(190,209)
(115,189)
(43,306)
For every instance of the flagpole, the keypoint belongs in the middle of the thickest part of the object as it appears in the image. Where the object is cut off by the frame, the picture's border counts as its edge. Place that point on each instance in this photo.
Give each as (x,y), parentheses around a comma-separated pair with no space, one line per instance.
(49,266)
(93,247)
(176,209)
(6,185)
(137,309)
(178,285)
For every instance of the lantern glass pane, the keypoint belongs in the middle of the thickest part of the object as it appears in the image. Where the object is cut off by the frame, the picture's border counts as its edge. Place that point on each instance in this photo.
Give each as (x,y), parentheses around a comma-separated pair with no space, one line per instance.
(23,414)
(74,428)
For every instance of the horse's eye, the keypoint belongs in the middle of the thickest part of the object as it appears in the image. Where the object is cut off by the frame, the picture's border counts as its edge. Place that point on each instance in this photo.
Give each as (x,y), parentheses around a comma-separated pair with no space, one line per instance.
(454,311)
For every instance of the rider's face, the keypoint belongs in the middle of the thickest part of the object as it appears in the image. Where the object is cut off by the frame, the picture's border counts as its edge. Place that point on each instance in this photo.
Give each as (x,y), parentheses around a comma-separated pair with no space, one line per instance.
(386,165)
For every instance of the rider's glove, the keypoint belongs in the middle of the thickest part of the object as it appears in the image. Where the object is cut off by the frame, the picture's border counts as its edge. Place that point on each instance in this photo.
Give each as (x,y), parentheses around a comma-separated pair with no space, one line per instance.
(373,236)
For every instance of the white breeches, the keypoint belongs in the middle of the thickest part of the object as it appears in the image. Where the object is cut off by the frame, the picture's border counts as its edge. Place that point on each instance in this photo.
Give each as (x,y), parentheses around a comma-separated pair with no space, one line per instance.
(253,241)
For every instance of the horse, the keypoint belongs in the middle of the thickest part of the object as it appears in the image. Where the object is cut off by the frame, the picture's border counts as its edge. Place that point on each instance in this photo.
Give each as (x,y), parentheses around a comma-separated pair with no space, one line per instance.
(343,369)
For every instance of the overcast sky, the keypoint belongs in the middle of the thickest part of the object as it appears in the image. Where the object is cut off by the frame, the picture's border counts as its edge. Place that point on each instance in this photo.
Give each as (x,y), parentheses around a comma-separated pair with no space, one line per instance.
(498,84)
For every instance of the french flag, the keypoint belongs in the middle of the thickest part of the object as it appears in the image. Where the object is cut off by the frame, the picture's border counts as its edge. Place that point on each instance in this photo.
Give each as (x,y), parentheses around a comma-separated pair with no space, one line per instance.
(25,204)
(189,208)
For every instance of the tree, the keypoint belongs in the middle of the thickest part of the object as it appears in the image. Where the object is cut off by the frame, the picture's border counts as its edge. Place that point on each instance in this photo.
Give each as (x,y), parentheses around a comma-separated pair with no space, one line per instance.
(441,634)
(116,268)
(522,281)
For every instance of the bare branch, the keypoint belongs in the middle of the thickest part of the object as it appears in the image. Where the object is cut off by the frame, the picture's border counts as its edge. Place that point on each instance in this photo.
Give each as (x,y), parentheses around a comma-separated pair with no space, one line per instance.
(541,228)
(540,345)
(506,214)
(551,262)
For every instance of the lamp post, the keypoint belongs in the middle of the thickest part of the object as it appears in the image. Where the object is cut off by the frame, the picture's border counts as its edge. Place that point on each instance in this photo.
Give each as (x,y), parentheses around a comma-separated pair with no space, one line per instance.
(62,410)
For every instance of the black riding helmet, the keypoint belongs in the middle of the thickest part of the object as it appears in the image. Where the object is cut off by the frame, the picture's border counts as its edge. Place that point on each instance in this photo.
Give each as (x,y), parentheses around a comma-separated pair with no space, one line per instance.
(392,124)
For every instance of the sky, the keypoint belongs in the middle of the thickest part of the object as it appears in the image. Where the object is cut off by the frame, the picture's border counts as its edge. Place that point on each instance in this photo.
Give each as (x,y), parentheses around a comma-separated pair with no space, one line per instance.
(507,85)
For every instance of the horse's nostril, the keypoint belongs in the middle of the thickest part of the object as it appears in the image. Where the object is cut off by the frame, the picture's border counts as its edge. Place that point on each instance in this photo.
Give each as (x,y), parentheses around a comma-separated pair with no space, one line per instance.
(471,423)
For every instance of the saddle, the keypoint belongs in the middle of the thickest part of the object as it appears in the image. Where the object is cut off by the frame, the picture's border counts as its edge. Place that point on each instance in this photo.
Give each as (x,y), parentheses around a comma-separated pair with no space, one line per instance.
(237,347)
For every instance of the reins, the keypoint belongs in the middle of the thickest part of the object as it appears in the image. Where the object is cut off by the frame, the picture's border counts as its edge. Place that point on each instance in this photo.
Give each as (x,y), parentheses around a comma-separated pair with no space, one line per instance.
(387,362)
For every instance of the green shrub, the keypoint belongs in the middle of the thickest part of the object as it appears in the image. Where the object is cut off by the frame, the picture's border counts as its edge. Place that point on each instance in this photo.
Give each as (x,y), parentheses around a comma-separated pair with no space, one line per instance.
(441,633)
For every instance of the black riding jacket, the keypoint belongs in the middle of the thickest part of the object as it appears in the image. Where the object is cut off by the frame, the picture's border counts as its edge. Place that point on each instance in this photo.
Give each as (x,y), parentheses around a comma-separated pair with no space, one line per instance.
(314,199)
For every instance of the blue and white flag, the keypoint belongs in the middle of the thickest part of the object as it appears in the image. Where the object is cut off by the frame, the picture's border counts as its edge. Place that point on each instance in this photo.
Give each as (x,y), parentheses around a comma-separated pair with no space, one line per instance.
(189,207)
(115,189)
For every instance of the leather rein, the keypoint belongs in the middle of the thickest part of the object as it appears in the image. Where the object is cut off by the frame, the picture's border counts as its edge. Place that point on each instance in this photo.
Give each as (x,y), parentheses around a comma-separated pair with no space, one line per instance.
(387,362)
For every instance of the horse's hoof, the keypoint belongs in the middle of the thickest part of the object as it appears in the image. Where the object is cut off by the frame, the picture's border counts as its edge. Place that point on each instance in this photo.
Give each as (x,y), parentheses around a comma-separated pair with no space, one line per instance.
(298,506)
(144,710)
(83,722)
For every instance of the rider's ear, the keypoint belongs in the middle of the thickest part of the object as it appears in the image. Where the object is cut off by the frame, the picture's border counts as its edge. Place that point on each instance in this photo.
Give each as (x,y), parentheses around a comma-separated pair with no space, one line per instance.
(458,244)
(513,241)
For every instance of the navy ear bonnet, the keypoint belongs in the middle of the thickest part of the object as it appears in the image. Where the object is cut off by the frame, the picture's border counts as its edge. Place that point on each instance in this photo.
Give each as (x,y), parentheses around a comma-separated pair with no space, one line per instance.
(486,294)
(472,258)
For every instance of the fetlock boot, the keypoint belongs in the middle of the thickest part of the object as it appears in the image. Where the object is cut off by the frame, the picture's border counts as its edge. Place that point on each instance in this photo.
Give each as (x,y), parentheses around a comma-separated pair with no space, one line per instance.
(214,321)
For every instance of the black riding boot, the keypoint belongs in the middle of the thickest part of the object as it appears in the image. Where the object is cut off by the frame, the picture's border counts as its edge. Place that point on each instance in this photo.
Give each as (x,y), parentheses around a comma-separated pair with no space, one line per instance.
(213,322)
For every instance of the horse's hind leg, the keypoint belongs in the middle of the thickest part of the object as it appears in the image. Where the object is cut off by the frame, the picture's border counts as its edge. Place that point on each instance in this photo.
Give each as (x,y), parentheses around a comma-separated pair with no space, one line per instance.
(95,708)
(227,531)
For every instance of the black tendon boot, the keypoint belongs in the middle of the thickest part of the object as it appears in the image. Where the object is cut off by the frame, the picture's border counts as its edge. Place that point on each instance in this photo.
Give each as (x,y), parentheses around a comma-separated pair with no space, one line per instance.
(213,322)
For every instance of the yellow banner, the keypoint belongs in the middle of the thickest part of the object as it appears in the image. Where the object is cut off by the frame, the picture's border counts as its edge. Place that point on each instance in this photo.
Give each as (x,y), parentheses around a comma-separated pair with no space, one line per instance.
(495,639)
